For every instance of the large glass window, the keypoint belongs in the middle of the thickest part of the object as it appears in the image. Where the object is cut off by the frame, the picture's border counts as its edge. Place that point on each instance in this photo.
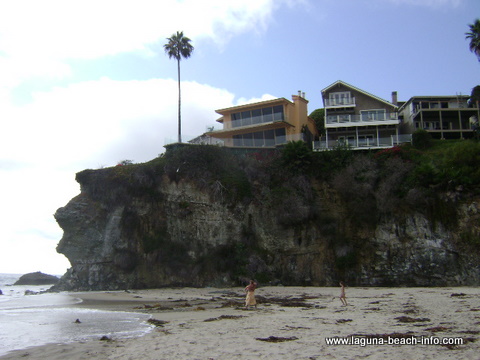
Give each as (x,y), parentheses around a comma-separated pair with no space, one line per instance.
(258,139)
(269,138)
(236,120)
(237,140)
(267,114)
(248,140)
(261,138)
(280,137)
(278,113)
(340,98)
(373,115)
(246,118)
(258,116)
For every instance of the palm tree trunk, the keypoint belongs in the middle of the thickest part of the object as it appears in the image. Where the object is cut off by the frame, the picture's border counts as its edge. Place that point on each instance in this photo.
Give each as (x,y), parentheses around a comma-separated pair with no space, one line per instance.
(179,104)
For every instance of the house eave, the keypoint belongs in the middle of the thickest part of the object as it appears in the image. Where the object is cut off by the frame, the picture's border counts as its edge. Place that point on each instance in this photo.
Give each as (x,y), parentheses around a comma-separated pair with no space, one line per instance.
(340,82)
(222,134)
(252,105)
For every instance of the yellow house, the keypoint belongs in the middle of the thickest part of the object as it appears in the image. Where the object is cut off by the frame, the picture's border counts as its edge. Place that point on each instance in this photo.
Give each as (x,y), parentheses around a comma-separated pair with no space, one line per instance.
(266,124)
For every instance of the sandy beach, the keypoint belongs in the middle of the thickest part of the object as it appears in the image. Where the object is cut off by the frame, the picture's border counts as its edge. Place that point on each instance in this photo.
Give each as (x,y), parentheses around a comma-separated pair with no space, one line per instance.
(289,323)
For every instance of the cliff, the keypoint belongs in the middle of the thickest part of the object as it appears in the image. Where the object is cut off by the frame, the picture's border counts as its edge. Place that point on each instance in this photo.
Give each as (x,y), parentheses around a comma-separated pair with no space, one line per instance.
(200,216)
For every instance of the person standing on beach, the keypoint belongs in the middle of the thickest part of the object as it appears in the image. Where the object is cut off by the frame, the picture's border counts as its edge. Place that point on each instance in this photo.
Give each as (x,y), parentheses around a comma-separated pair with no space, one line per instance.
(343,298)
(250,290)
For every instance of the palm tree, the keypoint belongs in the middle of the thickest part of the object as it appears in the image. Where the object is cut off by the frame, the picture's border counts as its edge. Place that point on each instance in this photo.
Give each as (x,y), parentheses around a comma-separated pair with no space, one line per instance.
(474,36)
(178,47)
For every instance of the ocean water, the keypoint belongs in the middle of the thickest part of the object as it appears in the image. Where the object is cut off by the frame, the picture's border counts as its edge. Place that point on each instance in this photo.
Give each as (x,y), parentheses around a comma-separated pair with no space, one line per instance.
(32,320)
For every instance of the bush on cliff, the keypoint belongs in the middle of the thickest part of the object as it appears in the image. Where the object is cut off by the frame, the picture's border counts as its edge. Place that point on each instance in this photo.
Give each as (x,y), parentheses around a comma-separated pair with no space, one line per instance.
(212,167)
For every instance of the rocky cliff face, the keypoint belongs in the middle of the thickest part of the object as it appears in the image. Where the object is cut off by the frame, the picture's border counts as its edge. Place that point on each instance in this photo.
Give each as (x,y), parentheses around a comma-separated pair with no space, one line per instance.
(140,226)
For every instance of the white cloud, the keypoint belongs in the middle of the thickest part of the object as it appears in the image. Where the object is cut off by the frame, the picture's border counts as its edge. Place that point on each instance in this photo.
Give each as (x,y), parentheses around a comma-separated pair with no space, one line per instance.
(264,97)
(92,122)
(38,36)
(29,233)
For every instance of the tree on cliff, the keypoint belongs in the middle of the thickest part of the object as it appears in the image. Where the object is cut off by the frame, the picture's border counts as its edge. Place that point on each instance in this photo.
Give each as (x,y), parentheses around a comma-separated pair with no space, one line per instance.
(474,36)
(474,97)
(178,47)
(318,116)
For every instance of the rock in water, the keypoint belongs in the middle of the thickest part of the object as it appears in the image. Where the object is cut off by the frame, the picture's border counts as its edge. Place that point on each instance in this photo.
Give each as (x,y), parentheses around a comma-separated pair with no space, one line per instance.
(37,278)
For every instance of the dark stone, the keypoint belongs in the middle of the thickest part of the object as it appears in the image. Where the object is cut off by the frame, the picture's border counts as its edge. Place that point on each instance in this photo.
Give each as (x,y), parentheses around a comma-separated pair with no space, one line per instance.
(37,278)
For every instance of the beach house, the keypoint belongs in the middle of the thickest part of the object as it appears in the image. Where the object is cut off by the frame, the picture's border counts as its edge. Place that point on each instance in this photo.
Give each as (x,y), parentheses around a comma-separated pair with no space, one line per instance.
(358,119)
(266,124)
(444,117)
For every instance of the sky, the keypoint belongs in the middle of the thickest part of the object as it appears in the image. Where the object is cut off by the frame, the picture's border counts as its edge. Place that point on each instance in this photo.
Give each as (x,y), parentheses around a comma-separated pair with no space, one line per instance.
(87,84)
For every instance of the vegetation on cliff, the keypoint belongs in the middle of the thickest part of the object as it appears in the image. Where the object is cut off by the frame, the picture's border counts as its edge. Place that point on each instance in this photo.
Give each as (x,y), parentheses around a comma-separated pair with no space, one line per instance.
(373,183)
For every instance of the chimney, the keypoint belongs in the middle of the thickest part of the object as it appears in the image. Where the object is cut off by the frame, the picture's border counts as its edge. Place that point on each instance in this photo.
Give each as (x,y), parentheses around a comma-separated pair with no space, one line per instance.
(394,98)
(299,93)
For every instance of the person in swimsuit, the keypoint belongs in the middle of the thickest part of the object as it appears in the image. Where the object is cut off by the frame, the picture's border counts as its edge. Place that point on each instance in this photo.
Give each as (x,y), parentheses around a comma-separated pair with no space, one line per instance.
(250,290)
(343,298)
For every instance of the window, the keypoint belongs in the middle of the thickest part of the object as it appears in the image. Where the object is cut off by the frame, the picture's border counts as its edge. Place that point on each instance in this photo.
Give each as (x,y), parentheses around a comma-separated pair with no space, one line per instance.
(248,139)
(246,118)
(258,116)
(280,137)
(269,138)
(340,98)
(260,138)
(373,115)
(267,114)
(237,140)
(278,113)
(366,140)
(236,120)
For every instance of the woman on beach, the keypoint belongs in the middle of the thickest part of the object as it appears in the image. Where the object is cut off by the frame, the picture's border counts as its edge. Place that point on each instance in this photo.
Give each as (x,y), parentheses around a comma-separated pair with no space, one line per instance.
(343,298)
(250,290)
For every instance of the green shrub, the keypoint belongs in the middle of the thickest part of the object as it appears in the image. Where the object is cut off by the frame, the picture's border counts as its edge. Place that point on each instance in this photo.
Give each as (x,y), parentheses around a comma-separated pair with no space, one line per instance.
(421,139)
(297,156)
(462,163)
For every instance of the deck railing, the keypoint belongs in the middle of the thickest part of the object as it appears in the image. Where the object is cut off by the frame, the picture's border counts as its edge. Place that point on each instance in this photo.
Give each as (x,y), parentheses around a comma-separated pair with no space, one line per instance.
(365,143)
(342,119)
(340,102)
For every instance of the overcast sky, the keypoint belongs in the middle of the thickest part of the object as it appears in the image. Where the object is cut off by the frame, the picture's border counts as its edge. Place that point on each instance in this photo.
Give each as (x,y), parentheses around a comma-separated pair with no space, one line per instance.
(86,84)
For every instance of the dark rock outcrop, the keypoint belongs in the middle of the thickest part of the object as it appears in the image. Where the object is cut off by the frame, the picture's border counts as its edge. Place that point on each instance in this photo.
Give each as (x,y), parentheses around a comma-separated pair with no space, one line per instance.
(37,278)
(155,225)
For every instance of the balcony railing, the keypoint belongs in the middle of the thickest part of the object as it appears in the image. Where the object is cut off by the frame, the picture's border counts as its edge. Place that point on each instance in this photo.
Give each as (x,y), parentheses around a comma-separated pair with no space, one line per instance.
(363,143)
(368,118)
(340,102)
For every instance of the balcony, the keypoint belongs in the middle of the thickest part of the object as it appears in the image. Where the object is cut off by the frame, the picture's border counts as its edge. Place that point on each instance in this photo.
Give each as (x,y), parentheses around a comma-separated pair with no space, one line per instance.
(335,121)
(363,143)
(341,102)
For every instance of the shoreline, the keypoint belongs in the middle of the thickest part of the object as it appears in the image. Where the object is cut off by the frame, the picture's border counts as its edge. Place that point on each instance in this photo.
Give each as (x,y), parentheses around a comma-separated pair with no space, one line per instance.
(290,323)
